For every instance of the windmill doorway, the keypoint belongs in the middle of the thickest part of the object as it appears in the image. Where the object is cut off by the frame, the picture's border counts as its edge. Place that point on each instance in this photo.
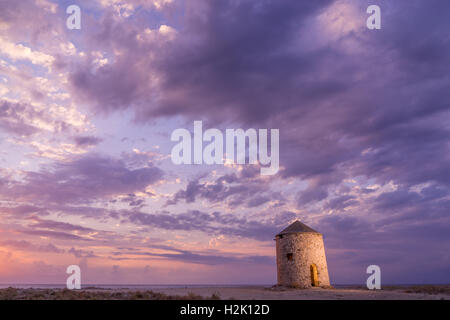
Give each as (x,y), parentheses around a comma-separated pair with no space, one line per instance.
(314,276)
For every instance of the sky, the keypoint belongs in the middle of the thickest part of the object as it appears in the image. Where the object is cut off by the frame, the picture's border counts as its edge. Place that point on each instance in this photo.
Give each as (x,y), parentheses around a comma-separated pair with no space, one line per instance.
(86,118)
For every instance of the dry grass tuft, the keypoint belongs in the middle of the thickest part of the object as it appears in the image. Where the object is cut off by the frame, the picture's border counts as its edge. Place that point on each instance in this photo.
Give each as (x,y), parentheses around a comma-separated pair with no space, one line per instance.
(94,294)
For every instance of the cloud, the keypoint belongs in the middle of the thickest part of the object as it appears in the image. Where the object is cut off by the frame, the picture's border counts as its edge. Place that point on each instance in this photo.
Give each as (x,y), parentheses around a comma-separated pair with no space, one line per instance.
(21,52)
(190,257)
(24,211)
(201,77)
(18,118)
(363,120)
(200,257)
(213,224)
(87,140)
(39,223)
(24,120)
(82,253)
(28,246)
(83,180)
(257,64)
(54,235)
(242,189)
(126,8)
(341,202)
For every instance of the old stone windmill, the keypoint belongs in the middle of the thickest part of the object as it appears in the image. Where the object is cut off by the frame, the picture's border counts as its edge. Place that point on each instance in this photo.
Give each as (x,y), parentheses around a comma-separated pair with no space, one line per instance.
(301,260)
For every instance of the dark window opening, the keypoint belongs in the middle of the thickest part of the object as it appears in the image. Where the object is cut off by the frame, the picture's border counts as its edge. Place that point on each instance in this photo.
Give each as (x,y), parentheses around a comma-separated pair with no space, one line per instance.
(289,256)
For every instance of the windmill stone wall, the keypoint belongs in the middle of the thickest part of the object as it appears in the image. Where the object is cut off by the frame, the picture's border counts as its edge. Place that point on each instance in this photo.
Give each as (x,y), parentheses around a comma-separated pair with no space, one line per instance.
(301,260)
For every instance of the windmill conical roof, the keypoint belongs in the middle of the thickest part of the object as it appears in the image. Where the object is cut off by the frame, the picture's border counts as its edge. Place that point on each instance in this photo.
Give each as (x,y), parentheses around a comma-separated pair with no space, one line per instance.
(297,227)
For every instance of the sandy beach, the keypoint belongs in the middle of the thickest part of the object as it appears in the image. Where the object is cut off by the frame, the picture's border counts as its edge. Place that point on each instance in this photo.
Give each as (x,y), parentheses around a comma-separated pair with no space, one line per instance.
(259,293)
(232,293)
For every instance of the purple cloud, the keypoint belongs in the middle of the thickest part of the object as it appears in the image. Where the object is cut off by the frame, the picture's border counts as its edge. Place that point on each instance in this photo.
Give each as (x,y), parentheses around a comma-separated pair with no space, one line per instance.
(83,180)
(363,119)
(87,140)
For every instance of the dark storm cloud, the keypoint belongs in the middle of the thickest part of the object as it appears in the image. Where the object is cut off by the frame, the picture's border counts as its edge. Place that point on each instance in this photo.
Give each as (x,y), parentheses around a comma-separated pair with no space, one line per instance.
(251,63)
(253,69)
(241,62)
(254,63)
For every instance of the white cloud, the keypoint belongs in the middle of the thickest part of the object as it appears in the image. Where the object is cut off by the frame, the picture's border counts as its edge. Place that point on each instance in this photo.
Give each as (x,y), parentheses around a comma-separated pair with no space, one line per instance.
(68,48)
(21,52)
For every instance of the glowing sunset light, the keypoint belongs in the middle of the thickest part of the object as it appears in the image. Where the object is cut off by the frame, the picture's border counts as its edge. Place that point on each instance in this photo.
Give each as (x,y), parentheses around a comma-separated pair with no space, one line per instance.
(90,117)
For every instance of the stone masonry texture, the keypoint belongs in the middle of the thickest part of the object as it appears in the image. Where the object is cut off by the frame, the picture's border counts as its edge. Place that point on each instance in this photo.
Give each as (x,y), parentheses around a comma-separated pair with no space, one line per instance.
(304,249)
